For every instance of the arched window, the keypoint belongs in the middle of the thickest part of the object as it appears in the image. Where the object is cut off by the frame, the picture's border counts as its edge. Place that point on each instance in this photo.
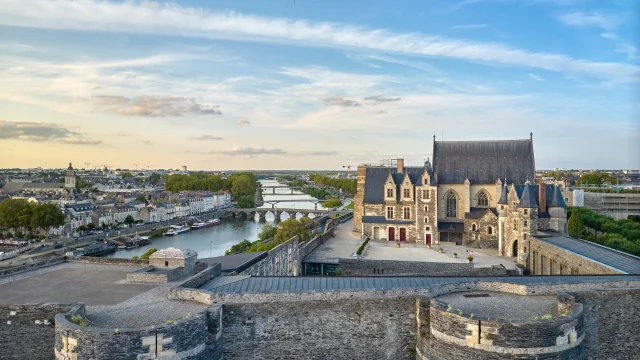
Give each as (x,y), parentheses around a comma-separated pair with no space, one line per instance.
(451,205)
(482,200)
(473,227)
(490,230)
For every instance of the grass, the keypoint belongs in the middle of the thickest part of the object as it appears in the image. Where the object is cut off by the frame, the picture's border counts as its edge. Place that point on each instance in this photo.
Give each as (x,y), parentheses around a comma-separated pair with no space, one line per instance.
(349,207)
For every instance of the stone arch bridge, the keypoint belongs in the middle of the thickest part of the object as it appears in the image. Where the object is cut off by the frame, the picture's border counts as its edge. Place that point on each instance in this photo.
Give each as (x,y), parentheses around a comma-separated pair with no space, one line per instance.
(262,212)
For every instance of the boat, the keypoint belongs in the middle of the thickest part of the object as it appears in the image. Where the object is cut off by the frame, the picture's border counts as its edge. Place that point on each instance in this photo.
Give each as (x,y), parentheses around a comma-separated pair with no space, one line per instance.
(206,224)
(176,230)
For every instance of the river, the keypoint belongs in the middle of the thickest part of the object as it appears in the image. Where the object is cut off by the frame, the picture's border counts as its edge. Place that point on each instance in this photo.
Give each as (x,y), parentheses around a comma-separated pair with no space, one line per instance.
(214,241)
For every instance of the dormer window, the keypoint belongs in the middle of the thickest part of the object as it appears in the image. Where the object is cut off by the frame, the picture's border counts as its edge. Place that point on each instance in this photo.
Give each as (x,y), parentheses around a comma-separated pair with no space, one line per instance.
(390,193)
(407,193)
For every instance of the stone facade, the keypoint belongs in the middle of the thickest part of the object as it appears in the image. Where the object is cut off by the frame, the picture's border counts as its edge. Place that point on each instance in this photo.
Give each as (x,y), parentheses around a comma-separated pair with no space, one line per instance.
(282,260)
(546,259)
(340,329)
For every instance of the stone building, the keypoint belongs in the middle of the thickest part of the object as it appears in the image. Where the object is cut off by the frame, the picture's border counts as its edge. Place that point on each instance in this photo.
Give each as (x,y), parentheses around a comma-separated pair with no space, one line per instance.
(452,200)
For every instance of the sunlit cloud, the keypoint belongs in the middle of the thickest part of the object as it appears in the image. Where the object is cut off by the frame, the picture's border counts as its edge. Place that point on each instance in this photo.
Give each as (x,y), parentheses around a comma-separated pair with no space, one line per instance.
(42,132)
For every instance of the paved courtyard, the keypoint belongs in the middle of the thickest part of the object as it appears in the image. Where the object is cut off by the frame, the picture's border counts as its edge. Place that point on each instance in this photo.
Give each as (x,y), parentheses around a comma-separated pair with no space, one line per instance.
(93,285)
(346,242)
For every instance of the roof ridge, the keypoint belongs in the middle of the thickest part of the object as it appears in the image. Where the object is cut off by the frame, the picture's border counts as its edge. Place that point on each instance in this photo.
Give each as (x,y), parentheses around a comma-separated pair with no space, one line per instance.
(480,141)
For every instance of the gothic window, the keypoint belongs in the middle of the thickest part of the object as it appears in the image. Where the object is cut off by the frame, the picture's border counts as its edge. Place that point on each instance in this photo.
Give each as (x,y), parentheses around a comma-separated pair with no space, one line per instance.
(473,227)
(490,230)
(407,213)
(482,200)
(407,193)
(390,212)
(389,192)
(451,205)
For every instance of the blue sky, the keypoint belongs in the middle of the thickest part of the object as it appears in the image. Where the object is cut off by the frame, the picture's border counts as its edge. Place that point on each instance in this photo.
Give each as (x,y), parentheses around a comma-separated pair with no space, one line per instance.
(311,84)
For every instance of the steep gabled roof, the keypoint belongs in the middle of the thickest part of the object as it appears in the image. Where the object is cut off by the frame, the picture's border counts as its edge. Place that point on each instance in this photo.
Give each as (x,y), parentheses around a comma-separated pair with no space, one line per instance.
(482,162)
(376,177)
(504,197)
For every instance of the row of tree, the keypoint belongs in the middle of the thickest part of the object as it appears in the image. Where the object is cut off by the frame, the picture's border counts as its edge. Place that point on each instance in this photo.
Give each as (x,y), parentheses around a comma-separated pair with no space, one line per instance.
(21,215)
(347,186)
(284,231)
(242,185)
(623,235)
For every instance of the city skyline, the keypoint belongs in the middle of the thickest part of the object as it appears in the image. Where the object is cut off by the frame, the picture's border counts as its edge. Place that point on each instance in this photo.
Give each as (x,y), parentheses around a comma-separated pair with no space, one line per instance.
(314,85)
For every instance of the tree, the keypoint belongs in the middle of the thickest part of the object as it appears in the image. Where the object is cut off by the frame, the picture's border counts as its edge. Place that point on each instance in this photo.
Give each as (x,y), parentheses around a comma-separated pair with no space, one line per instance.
(575,225)
(267,232)
(153,178)
(242,187)
(126,174)
(148,253)
(142,198)
(81,228)
(246,202)
(91,226)
(332,203)
(306,221)
(129,220)
(290,228)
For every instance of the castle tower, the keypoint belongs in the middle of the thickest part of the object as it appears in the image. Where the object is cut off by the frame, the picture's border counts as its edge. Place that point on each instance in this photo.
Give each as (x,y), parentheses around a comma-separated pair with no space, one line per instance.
(503,209)
(557,209)
(358,199)
(70,178)
(526,220)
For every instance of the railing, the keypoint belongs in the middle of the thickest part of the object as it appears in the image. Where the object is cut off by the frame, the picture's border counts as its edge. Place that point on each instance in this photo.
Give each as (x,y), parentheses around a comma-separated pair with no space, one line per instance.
(16,252)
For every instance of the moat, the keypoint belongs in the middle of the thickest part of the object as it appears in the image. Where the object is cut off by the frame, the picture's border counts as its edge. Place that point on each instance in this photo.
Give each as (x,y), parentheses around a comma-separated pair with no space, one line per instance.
(214,241)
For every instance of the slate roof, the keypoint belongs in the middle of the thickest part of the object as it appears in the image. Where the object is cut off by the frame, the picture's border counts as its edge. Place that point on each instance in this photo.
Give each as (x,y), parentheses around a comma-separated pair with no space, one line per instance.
(483,162)
(12,187)
(377,176)
(504,196)
(534,189)
(43,186)
(450,227)
(236,262)
(557,200)
(528,198)
(477,213)
(302,284)
(618,260)
(369,219)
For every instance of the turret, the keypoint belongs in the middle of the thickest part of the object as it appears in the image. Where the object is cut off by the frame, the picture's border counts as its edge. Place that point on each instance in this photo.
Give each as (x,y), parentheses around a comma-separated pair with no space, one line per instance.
(503,203)
(528,198)
(557,209)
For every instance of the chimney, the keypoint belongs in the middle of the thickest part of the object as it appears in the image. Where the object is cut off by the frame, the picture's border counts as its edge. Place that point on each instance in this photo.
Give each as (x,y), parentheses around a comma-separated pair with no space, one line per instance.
(400,165)
(542,197)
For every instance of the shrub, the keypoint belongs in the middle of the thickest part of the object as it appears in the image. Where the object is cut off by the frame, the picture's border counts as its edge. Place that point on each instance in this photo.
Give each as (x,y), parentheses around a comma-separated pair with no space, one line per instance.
(361,248)
(79,320)
(148,253)
(575,225)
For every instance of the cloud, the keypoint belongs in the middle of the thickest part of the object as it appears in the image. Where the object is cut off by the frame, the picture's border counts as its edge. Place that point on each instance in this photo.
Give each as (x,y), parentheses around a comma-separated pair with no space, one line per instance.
(250,151)
(242,122)
(381,112)
(535,77)
(147,142)
(171,19)
(316,153)
(205,137)
(41,132)
(340,101)
(581,19)
(473,26)
(379,99)
(122,134)
(153,106)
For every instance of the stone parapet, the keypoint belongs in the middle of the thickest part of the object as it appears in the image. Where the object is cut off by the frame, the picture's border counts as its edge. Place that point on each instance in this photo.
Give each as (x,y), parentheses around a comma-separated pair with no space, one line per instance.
(33,266)
(107,261)
(367,267)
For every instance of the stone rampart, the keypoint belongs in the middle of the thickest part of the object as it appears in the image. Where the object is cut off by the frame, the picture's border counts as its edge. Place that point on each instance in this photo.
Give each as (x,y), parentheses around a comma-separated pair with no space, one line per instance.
(340,329)
(282,260)
(611,319)
(152,274)
(27,331)
(186,338)
(33,266)
(366,267)
(107,261)
(453,334)
(573,263)
(188,289)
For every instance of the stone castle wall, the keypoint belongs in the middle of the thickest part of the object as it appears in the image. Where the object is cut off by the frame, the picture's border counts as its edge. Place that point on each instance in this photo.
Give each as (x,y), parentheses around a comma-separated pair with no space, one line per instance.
(340,329)
(564,261)
(446,334)
(107,261)
(27,331)
(366,267)
(282,260)
(33,266)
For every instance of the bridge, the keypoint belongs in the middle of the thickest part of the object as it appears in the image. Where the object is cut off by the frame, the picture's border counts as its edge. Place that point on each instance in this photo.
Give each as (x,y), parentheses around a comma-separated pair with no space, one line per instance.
(274,202)
(262,212)
(274,187)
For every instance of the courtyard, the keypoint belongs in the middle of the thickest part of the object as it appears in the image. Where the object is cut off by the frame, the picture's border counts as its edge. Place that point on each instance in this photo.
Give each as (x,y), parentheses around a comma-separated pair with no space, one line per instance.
(346,243)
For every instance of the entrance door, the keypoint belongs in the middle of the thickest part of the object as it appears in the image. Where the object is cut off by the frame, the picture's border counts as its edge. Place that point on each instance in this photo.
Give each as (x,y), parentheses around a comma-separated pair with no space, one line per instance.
(376,233)
(403,234)
(392,234)
(515,249)
(428,239)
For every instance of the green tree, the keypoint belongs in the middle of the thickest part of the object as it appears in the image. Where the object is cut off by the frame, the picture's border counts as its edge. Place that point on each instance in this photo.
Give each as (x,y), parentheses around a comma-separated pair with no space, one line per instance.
(332,203)
(81,228)
(142,198)
(267,232)
(80,184)
(290,228)
(242,187)
(129,220)
(91,226)
(148,253)
(153,178)
(246,202)
(306,221)
(575,225)
(126,174)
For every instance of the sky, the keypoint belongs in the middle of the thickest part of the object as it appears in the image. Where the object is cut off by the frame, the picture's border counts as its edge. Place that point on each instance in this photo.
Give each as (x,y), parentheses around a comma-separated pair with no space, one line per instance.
(315,84)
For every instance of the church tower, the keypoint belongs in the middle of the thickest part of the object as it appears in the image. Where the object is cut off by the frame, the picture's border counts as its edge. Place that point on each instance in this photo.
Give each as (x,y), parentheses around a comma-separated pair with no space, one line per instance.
(70,178)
